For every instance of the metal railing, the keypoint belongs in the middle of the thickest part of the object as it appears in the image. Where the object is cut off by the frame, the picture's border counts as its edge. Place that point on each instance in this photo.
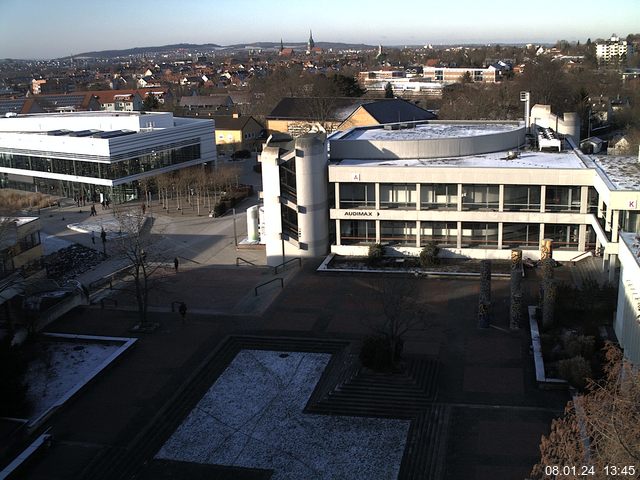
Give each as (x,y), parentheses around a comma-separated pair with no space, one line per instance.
(243,261)
(284,264)
(255,290)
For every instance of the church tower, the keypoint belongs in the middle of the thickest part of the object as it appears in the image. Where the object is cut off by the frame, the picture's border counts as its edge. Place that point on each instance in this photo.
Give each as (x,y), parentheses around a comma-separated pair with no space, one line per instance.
(310,43)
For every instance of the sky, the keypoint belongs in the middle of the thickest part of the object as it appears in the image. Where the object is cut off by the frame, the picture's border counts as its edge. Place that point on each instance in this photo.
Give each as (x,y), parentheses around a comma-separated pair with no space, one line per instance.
(56,28)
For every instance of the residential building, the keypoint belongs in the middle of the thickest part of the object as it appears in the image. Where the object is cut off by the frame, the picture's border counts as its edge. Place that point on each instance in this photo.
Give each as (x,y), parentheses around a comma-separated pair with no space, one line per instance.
(296,115)
(471,187)
(74,102)
(209,102)
(236,132)
(613,50)
(99,154)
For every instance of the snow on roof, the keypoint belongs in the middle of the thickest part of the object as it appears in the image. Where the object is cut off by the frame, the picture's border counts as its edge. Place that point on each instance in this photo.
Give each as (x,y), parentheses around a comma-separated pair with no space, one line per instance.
(622,171)
(432,131)
(526,159)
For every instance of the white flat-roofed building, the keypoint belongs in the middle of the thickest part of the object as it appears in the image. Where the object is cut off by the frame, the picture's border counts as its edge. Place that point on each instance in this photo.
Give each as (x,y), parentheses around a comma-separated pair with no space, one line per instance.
(99,154)
(468,186)
(627,322)
(613,49)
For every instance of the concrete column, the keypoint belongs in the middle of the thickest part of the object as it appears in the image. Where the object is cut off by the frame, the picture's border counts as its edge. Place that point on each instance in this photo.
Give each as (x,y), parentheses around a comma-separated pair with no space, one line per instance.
(584,199)
(600,207)
(541,234)
(417,196)
(582,238)
(418,233)
(459,199)
(615,225)
(500,233)
(607,221)
(459,239)
(338,237)
(377,225)
(543,201)
(337,193)
(377,190)
(501,206)
(613,261)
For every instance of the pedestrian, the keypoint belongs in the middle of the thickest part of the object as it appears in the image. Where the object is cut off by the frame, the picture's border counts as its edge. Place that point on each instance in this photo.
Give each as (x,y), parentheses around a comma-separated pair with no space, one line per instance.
(183,310)
(93,237)
(103,203)
(93,210)
(176,263)
(103,236)
(107,201)
(144,209)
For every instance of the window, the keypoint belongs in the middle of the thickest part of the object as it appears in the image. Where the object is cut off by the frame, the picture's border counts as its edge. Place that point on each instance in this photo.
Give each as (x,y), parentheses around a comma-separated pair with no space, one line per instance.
(479,235)
(445,234)
(441,196)
(563,236)
(357,195)
(592,201)
(562,199)
(522,197)
(398,233)
(289,222)
(520,235)
(480,197)
(288,178)
(398,195)
(357,232)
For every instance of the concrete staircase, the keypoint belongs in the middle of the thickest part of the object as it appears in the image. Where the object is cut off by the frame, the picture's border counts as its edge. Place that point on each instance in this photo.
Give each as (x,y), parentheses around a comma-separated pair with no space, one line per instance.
(589,268)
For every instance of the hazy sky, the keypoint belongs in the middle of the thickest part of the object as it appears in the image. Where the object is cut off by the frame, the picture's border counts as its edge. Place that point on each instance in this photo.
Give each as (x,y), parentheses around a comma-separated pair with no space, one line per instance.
(55,28)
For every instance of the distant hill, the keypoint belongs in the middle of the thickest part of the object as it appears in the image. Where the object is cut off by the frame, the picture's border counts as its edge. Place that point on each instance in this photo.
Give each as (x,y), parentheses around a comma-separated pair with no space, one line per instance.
(210,46)
(143,50)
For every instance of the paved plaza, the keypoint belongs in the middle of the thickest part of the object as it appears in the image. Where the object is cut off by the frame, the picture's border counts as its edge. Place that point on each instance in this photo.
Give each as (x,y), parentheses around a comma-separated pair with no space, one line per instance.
(495,413)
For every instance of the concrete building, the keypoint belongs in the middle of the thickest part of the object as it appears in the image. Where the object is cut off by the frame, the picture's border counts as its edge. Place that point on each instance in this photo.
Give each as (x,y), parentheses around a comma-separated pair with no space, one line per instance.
(99,154)
(627,325)
(449,75)
(468,186)
(613,50)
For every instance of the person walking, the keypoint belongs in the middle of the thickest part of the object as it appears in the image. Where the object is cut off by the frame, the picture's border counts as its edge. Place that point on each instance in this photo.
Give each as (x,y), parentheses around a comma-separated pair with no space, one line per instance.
(183,311)
(93,237)
(176,263)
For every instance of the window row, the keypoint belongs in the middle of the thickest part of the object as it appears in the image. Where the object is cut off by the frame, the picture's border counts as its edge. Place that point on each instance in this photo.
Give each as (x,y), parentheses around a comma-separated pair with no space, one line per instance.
(472,234)
(110,171)
(474,197)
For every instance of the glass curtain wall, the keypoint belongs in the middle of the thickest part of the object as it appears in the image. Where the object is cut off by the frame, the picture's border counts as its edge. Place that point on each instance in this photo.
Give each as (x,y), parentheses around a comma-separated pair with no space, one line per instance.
(398,233)
(480,197)
(398,195)
(357,232)
(520,235)
(479,235)
(442,196)
(522,198)
(445,234)
(357,195)
(562,199)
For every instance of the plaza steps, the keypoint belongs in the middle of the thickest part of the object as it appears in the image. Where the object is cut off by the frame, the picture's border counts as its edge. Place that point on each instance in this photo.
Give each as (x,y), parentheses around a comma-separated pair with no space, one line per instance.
(425,451)
(384,395)
(587,269)
(118,462)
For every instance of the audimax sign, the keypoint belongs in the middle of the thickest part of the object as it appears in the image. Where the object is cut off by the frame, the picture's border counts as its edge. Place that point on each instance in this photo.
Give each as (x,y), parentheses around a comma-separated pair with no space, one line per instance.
(360,213)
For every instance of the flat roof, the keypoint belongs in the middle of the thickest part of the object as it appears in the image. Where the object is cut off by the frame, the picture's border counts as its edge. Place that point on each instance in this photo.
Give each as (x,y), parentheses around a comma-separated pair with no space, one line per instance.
(525,159)
(431,130)
(622,171)
(633,244)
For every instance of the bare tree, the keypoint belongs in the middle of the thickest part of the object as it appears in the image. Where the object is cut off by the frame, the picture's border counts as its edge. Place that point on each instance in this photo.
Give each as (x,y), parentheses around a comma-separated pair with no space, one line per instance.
(135,245)
(601,428)
(402,313)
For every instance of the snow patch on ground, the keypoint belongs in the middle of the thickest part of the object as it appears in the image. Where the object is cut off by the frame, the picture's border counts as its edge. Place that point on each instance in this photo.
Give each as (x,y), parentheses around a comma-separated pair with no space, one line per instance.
(111,226)
(51,243)
(252,417)
(59,367)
